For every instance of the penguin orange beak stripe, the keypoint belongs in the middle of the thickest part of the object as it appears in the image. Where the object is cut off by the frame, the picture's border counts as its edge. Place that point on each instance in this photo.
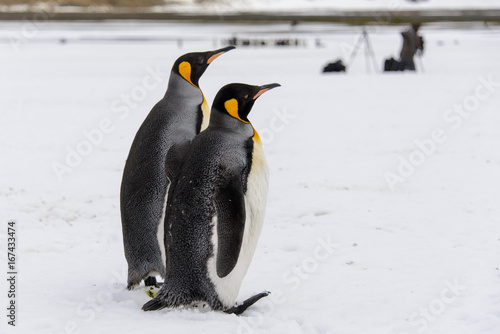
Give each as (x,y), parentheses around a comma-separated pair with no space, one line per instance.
(262,91)
(265,88)
(211,59)
(218,53)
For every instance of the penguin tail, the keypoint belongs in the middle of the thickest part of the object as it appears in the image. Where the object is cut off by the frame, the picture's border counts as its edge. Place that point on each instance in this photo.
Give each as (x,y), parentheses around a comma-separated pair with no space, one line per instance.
(154,304)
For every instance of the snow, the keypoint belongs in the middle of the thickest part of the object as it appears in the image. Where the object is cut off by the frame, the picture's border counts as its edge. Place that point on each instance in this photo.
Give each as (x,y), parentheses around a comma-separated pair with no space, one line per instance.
(341,251)
(227,6)
(296,5)
(368,4)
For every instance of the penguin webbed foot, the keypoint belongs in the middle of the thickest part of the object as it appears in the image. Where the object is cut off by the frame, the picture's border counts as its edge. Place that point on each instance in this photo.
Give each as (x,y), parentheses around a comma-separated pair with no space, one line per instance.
(163,299)
(239,309)
(151,281)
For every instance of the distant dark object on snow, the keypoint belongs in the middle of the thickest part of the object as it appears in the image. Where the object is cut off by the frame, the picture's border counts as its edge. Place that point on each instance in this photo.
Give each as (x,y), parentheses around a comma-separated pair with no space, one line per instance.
(337,66)
(236,41)
(392,64)
(413,44)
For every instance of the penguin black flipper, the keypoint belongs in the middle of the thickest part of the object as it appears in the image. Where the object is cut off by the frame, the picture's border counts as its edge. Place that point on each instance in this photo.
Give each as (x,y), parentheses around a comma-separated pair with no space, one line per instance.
(239,309)
(174,158)
(231,216)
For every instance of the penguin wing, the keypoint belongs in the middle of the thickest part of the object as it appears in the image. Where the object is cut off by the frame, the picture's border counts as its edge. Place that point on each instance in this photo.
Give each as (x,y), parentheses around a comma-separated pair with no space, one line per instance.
(175,156)
(231,215)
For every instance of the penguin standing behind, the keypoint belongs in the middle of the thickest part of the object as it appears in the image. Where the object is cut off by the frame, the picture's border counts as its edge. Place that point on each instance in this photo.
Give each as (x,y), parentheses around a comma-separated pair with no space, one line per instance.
(215,208)
(174,120)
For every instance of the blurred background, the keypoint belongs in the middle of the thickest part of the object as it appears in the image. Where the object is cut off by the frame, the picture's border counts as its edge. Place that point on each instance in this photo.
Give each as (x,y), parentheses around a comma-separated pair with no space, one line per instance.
(382,142)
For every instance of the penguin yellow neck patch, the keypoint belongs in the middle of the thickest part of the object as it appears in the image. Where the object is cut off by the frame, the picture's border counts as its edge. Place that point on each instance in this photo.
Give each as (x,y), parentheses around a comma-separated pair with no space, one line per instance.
(185,71)
(232,109)
(256,137)
(205,110)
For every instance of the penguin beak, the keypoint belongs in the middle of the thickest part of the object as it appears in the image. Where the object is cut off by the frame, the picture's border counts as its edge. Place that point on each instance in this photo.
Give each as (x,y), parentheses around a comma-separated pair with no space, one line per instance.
(265,88)
(218,52)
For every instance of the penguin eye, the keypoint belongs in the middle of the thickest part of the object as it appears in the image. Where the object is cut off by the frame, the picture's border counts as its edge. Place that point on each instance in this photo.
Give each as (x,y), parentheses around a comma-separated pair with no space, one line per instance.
(245,96)
(200,60)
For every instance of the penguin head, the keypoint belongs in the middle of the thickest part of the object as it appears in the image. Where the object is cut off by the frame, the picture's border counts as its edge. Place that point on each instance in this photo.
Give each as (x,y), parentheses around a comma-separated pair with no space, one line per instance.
(237,99)
(191,66)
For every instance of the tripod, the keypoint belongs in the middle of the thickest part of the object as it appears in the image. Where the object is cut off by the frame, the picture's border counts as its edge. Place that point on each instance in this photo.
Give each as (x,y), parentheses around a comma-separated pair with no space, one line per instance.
(369,54)
(421,68)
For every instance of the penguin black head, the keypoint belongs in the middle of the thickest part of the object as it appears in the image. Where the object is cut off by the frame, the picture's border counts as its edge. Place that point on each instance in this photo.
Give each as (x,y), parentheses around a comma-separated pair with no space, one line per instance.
(237,99)
(191,66)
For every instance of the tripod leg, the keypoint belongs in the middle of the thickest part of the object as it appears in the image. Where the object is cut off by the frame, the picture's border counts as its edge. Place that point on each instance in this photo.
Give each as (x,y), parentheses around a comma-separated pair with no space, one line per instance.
(371,53)
(367,55)
(355,50)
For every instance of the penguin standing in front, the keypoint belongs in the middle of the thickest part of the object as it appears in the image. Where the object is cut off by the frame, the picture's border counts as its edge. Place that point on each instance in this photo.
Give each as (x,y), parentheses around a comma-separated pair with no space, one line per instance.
(174,121)
(216,208)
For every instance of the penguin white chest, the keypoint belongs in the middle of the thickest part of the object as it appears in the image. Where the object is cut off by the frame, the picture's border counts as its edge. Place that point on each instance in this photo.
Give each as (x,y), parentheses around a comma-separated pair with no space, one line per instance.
(227,288)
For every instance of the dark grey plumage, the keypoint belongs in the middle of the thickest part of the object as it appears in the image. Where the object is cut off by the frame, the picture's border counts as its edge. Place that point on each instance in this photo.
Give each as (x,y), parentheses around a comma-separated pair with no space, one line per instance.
(210,218)
(174,120)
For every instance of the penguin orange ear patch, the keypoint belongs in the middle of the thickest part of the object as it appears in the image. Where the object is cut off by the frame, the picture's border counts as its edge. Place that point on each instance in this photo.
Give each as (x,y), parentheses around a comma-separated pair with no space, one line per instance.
(185,71)
(232,109)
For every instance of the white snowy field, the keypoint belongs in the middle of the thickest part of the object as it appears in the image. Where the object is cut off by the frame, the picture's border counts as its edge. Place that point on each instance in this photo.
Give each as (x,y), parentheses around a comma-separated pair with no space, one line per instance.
(318,5)
(383,214)
(311,6)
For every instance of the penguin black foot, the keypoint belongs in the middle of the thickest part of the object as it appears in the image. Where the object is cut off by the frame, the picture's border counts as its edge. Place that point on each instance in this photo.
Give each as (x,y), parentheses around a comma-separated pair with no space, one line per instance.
(239,309)
(151,281)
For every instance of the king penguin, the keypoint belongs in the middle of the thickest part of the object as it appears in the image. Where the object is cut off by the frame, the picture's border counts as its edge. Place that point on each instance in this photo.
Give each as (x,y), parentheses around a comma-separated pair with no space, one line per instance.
(216,208)
(174,121)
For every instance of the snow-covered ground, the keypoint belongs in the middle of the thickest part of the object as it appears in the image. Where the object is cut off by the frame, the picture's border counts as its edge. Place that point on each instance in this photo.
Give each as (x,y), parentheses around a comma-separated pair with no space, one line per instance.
(383,214)
(224,6)
(363,4)
(299,5)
